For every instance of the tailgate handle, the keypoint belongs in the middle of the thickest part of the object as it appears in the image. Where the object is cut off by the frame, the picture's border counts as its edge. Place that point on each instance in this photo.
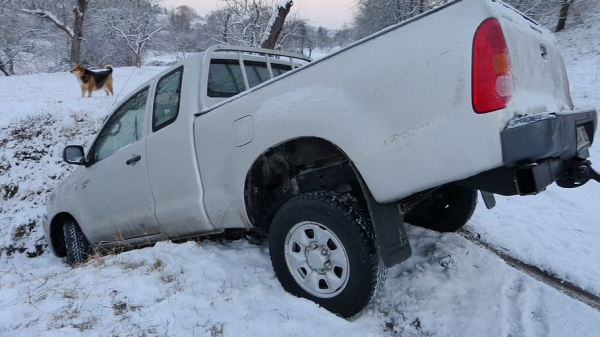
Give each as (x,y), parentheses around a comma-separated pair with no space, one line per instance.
(133,159)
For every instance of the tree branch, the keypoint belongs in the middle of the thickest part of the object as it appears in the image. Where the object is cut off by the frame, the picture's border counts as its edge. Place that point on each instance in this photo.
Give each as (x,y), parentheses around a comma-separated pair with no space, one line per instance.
(47,15)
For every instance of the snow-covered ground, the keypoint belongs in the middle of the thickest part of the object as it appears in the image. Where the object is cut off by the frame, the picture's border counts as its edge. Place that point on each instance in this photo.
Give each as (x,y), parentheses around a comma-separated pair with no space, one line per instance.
(450,287)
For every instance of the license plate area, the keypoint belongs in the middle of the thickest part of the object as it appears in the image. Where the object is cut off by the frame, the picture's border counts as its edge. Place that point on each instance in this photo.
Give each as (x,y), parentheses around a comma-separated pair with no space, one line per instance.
(583,140)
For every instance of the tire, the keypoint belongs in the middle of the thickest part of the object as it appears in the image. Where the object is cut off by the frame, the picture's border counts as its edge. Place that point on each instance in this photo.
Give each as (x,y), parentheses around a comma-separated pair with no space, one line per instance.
(448,209)
(324,250)
(76,245)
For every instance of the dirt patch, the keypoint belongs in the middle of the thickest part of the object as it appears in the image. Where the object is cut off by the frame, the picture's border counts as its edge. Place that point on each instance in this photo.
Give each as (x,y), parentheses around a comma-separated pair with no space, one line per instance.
(23,230)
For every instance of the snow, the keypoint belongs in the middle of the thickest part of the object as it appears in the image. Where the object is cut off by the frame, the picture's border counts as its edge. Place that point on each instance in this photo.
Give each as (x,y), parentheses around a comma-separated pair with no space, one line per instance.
(449,287)
(59,93)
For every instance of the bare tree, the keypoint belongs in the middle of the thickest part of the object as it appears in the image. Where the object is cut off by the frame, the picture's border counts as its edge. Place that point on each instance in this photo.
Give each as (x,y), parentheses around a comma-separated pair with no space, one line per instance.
(17,39)
(373,15)
(251,22)
(75,32)
(12,46)
(244,23)
(546,12)
(3,5)
(135,22)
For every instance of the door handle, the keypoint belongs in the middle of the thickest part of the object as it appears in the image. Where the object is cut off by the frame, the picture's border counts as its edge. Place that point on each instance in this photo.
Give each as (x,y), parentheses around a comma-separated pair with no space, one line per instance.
(133,159)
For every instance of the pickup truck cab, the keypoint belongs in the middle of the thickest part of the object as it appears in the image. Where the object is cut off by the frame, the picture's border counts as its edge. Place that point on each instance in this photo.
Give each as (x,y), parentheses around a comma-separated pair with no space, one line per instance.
(329,158)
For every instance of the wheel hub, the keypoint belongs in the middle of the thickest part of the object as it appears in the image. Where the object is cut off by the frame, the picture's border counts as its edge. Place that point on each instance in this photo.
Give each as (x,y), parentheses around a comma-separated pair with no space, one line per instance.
(316,259)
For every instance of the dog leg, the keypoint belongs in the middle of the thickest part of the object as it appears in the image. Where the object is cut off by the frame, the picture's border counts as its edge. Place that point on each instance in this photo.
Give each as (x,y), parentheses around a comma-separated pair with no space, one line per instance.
(109,84)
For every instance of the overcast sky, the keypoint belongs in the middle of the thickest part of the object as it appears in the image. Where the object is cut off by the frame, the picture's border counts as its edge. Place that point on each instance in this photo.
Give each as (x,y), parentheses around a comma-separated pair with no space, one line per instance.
(328,13)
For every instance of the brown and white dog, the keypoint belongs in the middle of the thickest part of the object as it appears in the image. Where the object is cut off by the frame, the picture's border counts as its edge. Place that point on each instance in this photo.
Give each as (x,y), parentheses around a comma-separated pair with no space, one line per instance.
(94,80)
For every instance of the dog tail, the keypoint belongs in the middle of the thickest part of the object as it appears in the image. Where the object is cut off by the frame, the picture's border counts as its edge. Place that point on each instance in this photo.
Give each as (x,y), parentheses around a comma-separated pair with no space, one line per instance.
(110,68)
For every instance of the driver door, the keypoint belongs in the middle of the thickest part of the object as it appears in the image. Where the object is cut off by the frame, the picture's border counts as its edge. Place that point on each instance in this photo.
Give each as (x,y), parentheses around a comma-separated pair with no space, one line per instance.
(116,188)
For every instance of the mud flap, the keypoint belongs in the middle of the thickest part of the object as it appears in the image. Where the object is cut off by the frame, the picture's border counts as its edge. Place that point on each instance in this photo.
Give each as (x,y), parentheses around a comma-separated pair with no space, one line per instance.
(488,199)
(388,225)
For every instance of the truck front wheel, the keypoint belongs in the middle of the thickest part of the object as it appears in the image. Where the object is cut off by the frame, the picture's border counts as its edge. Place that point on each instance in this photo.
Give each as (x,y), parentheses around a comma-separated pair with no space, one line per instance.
(447,210)
(76,245)
(323,249)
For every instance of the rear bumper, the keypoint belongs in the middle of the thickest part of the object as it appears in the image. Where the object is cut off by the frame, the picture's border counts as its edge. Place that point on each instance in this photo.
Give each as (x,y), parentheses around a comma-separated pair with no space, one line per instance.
(538,150)
(533,138)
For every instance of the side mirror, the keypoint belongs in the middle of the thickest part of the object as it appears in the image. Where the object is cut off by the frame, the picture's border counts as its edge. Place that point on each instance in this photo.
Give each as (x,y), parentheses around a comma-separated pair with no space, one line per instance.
(74,154)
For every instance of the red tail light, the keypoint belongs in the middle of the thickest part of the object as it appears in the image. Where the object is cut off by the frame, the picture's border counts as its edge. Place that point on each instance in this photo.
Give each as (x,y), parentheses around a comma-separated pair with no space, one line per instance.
(492,76)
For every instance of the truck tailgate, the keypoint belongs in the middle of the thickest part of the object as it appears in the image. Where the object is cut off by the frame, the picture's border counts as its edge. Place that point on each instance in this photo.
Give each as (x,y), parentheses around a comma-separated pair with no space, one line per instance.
(539,75)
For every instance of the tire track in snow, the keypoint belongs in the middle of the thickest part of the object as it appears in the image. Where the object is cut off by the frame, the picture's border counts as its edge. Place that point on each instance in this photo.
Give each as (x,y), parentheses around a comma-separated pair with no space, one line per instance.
(563,286)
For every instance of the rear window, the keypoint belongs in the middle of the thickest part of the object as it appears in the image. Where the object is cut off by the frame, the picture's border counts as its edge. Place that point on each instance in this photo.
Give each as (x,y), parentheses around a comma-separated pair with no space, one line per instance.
(279,69)
(225,77)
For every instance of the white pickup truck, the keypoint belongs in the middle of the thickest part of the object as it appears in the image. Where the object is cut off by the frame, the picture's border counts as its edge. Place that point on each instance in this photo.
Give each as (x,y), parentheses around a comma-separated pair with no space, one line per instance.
(329,158)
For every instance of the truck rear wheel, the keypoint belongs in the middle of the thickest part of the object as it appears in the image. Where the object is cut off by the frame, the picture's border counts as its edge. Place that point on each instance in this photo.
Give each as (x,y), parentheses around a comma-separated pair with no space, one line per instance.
(323,249)
(76,245)
(448,209)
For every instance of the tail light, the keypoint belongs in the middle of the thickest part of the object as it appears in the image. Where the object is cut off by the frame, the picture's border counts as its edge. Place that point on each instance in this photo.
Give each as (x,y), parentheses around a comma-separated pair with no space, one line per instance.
(492,75)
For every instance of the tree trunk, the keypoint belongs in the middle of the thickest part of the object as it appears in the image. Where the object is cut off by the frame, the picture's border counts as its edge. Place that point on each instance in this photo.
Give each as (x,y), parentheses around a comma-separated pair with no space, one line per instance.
(138,60)
(277,26)
(3,70)
(225,28)
(79,13)
(564,12)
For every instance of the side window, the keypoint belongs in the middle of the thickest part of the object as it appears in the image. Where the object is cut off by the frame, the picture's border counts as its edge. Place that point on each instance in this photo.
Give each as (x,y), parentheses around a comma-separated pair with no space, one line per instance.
(166,100)
(279,69)
(257,73)
(124,127)
(225,78)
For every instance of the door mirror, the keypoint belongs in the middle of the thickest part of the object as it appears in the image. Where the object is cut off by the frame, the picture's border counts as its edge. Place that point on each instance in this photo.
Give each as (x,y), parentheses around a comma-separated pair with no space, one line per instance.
(74,154)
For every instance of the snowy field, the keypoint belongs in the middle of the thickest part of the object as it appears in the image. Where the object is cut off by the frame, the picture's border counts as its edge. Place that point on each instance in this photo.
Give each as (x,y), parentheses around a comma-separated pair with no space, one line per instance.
(450,287)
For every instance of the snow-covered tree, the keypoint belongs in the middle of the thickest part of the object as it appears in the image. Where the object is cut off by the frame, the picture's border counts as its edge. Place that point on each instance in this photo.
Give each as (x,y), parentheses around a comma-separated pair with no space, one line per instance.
(374,15)
(251,23)
(551,13)
(17,38)
(46,10)
(135,21)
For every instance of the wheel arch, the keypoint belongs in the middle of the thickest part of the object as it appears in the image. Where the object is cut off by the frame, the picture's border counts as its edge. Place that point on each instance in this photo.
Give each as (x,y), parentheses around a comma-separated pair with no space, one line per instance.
(295,166)
(310,163)
(57,237)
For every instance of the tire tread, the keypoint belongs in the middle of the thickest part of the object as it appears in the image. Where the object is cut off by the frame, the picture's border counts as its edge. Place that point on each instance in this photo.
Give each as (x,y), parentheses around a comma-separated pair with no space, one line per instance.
(76,245)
